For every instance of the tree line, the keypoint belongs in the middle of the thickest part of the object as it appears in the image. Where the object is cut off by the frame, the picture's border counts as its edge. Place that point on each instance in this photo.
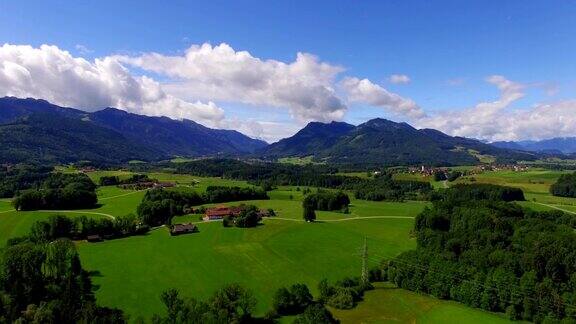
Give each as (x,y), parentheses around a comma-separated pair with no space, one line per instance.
(476,247)
(79,228)
(116,180)
(565,186)
(14,179)
(59,191)
(324,200)
(159,206)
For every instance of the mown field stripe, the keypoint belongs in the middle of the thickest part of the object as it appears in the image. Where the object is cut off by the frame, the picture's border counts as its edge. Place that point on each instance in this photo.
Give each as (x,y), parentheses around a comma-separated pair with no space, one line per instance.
(122,195)
(555,207)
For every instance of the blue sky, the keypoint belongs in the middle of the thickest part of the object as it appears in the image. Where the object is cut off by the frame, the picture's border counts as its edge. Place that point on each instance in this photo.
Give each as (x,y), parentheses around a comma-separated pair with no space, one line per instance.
(446,48)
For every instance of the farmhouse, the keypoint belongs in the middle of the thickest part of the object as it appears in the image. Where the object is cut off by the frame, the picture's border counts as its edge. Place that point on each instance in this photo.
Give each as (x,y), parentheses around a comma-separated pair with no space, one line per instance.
(221,212)
(178,229)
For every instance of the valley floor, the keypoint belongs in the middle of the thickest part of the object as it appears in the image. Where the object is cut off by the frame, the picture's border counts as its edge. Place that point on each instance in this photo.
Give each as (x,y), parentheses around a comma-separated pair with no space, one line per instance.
(131,273)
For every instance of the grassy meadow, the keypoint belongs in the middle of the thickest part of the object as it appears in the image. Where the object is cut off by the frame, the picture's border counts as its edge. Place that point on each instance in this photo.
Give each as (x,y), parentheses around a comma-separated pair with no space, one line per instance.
(131,273)
(388,304)
(535,183)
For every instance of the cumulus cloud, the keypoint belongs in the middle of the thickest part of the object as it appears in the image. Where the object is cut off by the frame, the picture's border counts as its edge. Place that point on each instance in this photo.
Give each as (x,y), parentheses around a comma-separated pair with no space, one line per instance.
(208,72)
(53,74)
(364,91)
(495,121)
(399,79)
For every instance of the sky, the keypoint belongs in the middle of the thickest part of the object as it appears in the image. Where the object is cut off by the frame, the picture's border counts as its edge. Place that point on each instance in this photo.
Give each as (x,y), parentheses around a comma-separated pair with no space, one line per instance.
(493,70)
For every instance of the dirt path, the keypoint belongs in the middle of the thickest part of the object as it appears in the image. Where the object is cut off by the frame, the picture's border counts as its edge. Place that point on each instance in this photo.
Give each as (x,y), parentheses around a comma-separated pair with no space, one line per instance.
(122,195)
(77,212)
(343,219)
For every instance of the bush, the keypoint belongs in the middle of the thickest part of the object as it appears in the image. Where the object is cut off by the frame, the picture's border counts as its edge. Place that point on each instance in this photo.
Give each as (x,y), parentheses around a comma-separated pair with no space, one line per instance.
(315,314)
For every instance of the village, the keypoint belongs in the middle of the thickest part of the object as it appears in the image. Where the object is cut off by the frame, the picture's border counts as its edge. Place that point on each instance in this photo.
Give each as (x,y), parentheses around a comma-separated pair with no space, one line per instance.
(427,171)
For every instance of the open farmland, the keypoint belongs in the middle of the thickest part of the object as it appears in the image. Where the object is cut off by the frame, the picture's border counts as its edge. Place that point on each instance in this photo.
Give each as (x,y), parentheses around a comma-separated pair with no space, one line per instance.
(131,273)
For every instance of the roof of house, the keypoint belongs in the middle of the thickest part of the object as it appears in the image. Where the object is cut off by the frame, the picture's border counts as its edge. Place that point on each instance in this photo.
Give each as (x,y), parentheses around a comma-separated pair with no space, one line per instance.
(183,227)
(223,211)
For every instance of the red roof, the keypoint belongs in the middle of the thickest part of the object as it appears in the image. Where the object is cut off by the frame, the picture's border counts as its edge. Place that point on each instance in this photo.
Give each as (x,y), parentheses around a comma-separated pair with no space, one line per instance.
(223,211)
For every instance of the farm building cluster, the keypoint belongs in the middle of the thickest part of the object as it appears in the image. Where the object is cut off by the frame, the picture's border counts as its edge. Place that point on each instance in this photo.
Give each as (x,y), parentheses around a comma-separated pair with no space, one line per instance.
(220,212)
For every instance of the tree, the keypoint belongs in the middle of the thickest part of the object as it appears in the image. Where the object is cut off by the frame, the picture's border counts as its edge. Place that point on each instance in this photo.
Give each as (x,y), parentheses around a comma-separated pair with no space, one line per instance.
(233,303)
(309,214)
(293,300)
(315,314)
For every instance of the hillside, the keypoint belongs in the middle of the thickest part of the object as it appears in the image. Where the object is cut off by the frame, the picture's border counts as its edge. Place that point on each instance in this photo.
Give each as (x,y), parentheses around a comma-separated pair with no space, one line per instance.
(109,135)
(50,137)
(309,140)
(383,142)
(173,137)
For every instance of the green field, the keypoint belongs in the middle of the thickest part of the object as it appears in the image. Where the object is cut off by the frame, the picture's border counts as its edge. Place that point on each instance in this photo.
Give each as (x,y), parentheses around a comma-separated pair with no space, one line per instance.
(387,304)
(535,183)
(282,251)
(131,273)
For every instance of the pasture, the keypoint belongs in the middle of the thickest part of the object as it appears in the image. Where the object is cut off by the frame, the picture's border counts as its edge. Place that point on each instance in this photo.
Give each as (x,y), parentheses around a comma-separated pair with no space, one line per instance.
(131,273)
(535,183)
(387,304)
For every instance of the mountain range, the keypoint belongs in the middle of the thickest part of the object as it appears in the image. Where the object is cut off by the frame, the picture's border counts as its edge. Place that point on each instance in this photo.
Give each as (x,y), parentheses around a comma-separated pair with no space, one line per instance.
(32,129)
(565,145)
(384,142)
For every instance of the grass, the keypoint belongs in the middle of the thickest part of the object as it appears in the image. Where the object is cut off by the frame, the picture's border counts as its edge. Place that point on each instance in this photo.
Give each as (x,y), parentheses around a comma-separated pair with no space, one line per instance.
(131,273)
(134,271)
(535,183)
(386,304)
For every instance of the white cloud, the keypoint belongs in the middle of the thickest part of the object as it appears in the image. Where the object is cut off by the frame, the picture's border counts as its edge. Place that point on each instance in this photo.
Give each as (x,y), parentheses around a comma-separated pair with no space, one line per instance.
(495,121)
(82,49)
(364,91)
(208,72)
(399,79)
(50,73)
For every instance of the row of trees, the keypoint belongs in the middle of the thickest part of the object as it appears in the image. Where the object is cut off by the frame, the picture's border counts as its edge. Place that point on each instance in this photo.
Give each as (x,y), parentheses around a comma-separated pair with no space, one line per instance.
(159,206)
(324,200)
(476,248)
(21,177)
(115,180)
(565,186)
(59,191)
(60,226)
(479,191)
